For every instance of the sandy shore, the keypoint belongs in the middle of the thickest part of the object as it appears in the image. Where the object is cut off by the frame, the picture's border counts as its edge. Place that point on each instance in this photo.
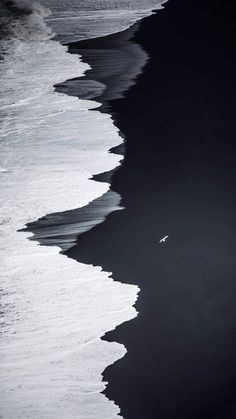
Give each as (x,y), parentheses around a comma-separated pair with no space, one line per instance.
(178,179)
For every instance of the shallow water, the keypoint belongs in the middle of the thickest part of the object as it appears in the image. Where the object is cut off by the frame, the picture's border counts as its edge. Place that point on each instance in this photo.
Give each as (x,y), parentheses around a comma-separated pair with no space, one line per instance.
(54,310)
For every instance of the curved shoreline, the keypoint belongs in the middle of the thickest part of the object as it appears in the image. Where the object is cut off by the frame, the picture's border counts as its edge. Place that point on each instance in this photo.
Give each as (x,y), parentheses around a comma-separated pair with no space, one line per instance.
(54,308)
(62,229)
(115,62)
(177,178)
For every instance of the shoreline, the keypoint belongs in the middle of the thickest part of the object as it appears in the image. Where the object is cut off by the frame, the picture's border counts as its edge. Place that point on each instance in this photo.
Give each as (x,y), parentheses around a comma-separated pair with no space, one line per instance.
(115,62)
(177,178)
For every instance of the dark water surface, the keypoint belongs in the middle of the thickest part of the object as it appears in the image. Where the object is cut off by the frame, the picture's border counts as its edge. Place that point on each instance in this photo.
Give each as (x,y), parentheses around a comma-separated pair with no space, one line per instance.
(178,179)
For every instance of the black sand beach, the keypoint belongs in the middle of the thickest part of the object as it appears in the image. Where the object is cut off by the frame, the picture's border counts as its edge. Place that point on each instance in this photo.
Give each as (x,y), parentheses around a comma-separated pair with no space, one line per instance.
(178,179)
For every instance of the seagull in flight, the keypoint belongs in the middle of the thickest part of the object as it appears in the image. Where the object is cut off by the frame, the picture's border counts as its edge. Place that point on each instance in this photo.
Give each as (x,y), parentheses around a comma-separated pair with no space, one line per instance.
(163,239)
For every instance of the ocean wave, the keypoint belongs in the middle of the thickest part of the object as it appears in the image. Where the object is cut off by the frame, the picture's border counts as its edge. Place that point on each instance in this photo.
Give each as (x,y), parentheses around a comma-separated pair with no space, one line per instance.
(54,310)
(23,20)
(73,21)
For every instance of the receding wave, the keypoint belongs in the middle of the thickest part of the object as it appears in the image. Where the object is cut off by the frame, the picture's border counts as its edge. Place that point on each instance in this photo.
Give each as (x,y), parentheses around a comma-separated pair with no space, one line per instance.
(53,309)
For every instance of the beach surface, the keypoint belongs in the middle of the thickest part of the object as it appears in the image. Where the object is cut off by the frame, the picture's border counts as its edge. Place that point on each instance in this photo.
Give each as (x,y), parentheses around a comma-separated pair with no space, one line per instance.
(177,179)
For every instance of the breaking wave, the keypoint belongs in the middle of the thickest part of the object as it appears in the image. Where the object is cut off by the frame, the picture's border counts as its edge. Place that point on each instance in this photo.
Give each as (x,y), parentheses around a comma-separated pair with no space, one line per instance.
(54,310)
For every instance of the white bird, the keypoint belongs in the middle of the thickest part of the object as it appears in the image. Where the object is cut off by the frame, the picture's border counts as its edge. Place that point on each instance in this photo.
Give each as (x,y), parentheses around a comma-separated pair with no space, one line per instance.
(163,239)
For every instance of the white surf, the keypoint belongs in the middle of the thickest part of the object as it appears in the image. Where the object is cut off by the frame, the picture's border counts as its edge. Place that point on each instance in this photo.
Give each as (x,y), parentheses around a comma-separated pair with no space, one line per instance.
(54,310)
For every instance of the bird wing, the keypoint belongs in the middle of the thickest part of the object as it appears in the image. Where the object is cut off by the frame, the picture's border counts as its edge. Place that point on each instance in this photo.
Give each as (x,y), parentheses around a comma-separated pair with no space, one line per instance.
(163,239)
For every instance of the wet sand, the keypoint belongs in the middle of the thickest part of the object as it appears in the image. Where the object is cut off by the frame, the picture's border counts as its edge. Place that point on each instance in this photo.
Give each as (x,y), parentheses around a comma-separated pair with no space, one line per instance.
(178,179)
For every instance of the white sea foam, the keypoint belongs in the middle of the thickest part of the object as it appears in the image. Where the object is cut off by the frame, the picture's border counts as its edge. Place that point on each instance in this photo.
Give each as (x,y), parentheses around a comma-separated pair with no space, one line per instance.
(75,20)
(54,310)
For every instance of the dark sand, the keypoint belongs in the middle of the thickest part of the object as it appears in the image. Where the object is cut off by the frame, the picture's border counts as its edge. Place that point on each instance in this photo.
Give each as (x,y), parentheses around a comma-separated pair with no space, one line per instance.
(115,62)
(178,178)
